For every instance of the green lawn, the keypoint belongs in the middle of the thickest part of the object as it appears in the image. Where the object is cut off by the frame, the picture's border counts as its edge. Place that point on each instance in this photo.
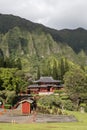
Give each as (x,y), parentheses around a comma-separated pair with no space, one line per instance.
(81,125)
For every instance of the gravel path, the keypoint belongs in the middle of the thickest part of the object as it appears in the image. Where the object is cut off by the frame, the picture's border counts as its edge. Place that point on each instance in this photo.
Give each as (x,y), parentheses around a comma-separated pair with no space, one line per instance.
(9,117)
(39,118)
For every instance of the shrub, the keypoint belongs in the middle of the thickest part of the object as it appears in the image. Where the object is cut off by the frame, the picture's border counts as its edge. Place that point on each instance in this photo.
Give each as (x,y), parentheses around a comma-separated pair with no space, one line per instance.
(64,97)
(59,92)
(82,105)
(53,101)
(68,105)
(7,106)
(50,101)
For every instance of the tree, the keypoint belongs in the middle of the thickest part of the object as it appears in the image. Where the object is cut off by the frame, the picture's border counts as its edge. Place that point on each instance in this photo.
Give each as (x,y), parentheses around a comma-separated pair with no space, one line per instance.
(66,65)
(76,83)
(10,96)
(75,80)
(38,72)
(11,81)
(55,70)
(1,58)
(18,63)
(62,68)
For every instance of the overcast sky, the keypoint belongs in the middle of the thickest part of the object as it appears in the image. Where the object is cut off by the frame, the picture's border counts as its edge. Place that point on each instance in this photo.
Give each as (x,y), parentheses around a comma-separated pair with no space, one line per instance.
(57,14)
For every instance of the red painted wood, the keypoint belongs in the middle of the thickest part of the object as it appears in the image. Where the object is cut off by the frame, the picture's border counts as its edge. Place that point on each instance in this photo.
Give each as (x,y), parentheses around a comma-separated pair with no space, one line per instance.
(25,107)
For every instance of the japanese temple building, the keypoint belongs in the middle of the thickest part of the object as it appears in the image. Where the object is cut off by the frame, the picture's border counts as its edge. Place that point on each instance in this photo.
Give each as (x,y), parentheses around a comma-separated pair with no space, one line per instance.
(45,85)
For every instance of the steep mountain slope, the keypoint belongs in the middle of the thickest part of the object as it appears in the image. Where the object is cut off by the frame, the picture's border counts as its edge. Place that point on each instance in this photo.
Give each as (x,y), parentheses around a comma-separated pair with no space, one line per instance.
(9,21)
(33,42)
(21,42)
(77,38)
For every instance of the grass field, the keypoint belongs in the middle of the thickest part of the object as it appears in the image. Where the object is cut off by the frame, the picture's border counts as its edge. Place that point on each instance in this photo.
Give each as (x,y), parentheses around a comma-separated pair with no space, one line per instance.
(80,125)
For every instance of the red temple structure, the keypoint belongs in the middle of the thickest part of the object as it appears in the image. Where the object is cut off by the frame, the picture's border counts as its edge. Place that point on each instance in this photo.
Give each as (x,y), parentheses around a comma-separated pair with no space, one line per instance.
(45,85)
(26,106)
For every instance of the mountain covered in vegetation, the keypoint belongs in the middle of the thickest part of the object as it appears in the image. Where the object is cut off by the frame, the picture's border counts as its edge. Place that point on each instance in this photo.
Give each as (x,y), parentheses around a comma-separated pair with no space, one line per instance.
(29,50)
(35,44)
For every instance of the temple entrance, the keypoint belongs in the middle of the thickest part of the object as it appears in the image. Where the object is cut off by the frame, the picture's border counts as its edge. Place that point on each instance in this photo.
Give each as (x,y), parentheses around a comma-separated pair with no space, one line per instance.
(48,88)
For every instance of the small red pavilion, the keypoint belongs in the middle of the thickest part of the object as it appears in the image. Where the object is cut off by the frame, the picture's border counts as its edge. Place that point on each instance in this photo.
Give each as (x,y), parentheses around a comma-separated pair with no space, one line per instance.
(25,106)
(45,85)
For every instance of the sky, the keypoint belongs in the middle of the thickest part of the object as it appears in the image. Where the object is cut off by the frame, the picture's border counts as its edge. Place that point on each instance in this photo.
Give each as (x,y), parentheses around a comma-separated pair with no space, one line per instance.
(58,14)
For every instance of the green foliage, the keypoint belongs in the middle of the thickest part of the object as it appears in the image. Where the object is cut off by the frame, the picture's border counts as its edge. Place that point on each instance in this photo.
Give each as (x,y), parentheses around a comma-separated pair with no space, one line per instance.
(50,101)
(48,110)
(54,67)
(86,108)
(75,81)
(7,106)
(76,84)
(10,96)
(82,105)
(60,92)
(23,39)
(11,81)
(56,104)
(75,38)
(1,58)
(68,105)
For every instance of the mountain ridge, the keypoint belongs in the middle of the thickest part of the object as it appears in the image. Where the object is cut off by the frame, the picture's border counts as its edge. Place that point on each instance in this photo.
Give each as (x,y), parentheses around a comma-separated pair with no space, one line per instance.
(10,21)
(31,41)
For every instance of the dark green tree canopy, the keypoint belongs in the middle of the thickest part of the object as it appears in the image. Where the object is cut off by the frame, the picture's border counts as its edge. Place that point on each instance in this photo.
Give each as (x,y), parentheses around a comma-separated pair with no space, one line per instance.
(76,80)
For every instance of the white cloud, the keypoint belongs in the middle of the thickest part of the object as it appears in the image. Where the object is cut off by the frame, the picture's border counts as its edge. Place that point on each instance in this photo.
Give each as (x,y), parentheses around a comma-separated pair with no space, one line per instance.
(53,13)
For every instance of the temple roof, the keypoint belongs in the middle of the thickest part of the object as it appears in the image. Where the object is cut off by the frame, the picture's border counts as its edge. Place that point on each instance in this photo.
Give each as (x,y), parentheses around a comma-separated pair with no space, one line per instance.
(47,80)
(43,86)
(29,100)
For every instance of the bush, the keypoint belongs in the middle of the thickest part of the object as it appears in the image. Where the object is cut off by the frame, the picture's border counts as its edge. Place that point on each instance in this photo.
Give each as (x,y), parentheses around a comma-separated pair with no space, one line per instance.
(68,105)
(53,101)
(64,97)
(59,91)
(82,105)
(7,106)
(50,101)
